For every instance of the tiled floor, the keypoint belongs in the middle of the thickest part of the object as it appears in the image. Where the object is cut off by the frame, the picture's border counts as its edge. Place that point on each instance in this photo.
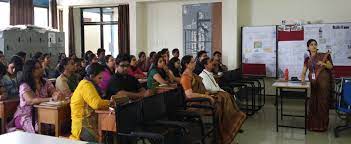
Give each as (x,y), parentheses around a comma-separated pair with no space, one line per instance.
(261,129)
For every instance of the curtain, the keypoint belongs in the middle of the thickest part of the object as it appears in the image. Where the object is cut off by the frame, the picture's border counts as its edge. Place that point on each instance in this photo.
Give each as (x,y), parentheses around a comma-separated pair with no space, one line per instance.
(53,6)
(61,20)
(123,29)
(21,12)
(71,44)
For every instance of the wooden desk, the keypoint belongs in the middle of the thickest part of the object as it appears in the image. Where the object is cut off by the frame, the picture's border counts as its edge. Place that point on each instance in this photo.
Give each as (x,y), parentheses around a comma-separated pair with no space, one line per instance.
(7,109)
(280,85)
(19,137)
(54,115)
(106,122)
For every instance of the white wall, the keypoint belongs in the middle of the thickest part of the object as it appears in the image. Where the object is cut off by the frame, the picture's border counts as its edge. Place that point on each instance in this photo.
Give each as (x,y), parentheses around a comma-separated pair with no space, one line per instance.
(270,12)
(164,27)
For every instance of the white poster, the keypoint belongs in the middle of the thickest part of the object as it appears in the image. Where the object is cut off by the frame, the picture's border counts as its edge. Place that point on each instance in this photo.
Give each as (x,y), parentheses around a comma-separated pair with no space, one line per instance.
(259,47)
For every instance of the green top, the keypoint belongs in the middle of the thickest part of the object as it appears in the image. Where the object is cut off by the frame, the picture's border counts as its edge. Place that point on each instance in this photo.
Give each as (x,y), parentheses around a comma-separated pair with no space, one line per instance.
(151,83)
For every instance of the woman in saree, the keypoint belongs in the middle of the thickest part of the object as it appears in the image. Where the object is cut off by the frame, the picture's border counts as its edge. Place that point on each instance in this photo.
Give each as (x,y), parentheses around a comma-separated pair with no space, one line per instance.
(230,118)
(319,66)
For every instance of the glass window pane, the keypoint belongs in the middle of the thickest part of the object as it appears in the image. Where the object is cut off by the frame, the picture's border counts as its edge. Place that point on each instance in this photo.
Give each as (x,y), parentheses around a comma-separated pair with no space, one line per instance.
(4,14)
(91,38)
(91,15)
(111,39)
(41,16)
(110,14)
(41,3)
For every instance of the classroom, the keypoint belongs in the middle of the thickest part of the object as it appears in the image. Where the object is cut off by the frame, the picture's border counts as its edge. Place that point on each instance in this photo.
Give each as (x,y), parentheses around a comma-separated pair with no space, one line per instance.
(175,71)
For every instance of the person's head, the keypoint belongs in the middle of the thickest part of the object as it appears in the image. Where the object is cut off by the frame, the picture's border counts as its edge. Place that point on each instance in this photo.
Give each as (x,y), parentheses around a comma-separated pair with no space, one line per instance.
(217,56)
(100,52)
(22,55)
(152,55)
(32,70)
(94,72)
(15,65)
(188,62)
(72,56)
(208,63)
(2,57)
(312,45)
(174,63)
(77,64)
(46,59)
(122,63)
(66,65)
(61,56)
(165,53)
(159,61)
(110,62)
(92,58)
(87,54)
(142,56)
(133,61)
(38,56)
(175,52)
(201,55)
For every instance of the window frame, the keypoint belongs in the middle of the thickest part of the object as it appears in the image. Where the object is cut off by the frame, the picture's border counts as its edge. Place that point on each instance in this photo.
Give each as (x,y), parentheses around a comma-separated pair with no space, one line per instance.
(101,23)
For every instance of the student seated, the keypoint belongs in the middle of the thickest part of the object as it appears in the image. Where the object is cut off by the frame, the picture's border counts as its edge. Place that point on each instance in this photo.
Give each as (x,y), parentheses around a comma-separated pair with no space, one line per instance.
(123,84)
(230,118)
(84,101)
(159,73)
(65,82)
(11,79)
(135,71)
(199,57)
(219,66)
(142,62)
(108,72)
(174,68)
(33,90)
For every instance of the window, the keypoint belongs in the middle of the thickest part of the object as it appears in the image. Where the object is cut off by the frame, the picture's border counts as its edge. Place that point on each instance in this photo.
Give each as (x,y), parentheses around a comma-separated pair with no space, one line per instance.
(100,29)
(5,13)
(41,13)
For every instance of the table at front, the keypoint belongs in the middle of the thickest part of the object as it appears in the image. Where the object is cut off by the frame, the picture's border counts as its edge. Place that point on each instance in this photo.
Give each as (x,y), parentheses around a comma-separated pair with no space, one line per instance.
(19,137)
(280,85)
(7,108)
(54,115)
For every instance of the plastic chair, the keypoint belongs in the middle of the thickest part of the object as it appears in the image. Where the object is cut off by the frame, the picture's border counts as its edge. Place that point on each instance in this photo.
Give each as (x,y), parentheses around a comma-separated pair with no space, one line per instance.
(343,106)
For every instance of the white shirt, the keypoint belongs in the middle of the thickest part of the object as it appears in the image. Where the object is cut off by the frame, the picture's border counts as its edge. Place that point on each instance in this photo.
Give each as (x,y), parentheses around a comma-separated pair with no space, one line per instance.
(209,81)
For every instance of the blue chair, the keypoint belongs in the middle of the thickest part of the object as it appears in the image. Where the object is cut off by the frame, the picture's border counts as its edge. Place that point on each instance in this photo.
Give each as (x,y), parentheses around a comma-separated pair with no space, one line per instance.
(343,106)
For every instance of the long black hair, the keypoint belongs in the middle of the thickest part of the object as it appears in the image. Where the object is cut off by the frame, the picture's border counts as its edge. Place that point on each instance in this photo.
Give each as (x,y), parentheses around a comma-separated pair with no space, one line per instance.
(62,64)
(159,70)
(18,62)
(171,66)
(185,60)
(27,76)
(92,71)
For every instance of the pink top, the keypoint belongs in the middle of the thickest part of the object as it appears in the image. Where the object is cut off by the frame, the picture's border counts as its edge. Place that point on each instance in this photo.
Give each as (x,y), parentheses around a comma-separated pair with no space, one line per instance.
(106,76)
(137,73)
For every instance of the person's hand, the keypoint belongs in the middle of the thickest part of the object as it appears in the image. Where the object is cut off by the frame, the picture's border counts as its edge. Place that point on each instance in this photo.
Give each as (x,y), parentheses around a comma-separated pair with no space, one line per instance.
(210,98)
(112,101)
(303,82)
(321,63)
(57,96)
(147,93)
(121,93)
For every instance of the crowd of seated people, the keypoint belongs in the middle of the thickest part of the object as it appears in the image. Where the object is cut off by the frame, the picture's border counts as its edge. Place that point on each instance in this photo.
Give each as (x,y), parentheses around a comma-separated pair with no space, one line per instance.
(96,80)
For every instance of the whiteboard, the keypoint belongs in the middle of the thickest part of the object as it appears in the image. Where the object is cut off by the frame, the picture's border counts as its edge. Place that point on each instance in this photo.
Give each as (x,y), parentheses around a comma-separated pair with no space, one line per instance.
(259,47)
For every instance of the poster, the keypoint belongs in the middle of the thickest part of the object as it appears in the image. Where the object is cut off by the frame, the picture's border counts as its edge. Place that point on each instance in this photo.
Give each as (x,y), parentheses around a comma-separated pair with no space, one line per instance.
(259,47)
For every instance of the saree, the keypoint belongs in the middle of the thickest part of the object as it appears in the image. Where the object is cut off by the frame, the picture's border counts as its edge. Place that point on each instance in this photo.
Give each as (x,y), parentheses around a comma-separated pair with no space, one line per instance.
(321,91)
(230,118)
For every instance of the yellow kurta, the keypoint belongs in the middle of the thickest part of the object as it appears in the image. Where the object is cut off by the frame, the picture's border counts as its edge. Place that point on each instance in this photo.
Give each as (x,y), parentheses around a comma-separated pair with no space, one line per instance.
(84,101)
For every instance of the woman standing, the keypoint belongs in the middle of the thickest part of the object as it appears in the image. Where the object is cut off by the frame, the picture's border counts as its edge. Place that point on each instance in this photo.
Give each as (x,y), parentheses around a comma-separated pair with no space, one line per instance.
(319,66)
(229,116)
(34,89)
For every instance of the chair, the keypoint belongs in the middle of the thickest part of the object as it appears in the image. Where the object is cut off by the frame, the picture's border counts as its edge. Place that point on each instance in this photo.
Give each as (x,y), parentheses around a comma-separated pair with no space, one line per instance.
(128,120)
(343,106)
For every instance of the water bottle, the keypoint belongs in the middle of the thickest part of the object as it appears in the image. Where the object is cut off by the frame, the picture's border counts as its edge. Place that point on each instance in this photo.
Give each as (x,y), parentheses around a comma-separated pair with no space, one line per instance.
(286,74)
